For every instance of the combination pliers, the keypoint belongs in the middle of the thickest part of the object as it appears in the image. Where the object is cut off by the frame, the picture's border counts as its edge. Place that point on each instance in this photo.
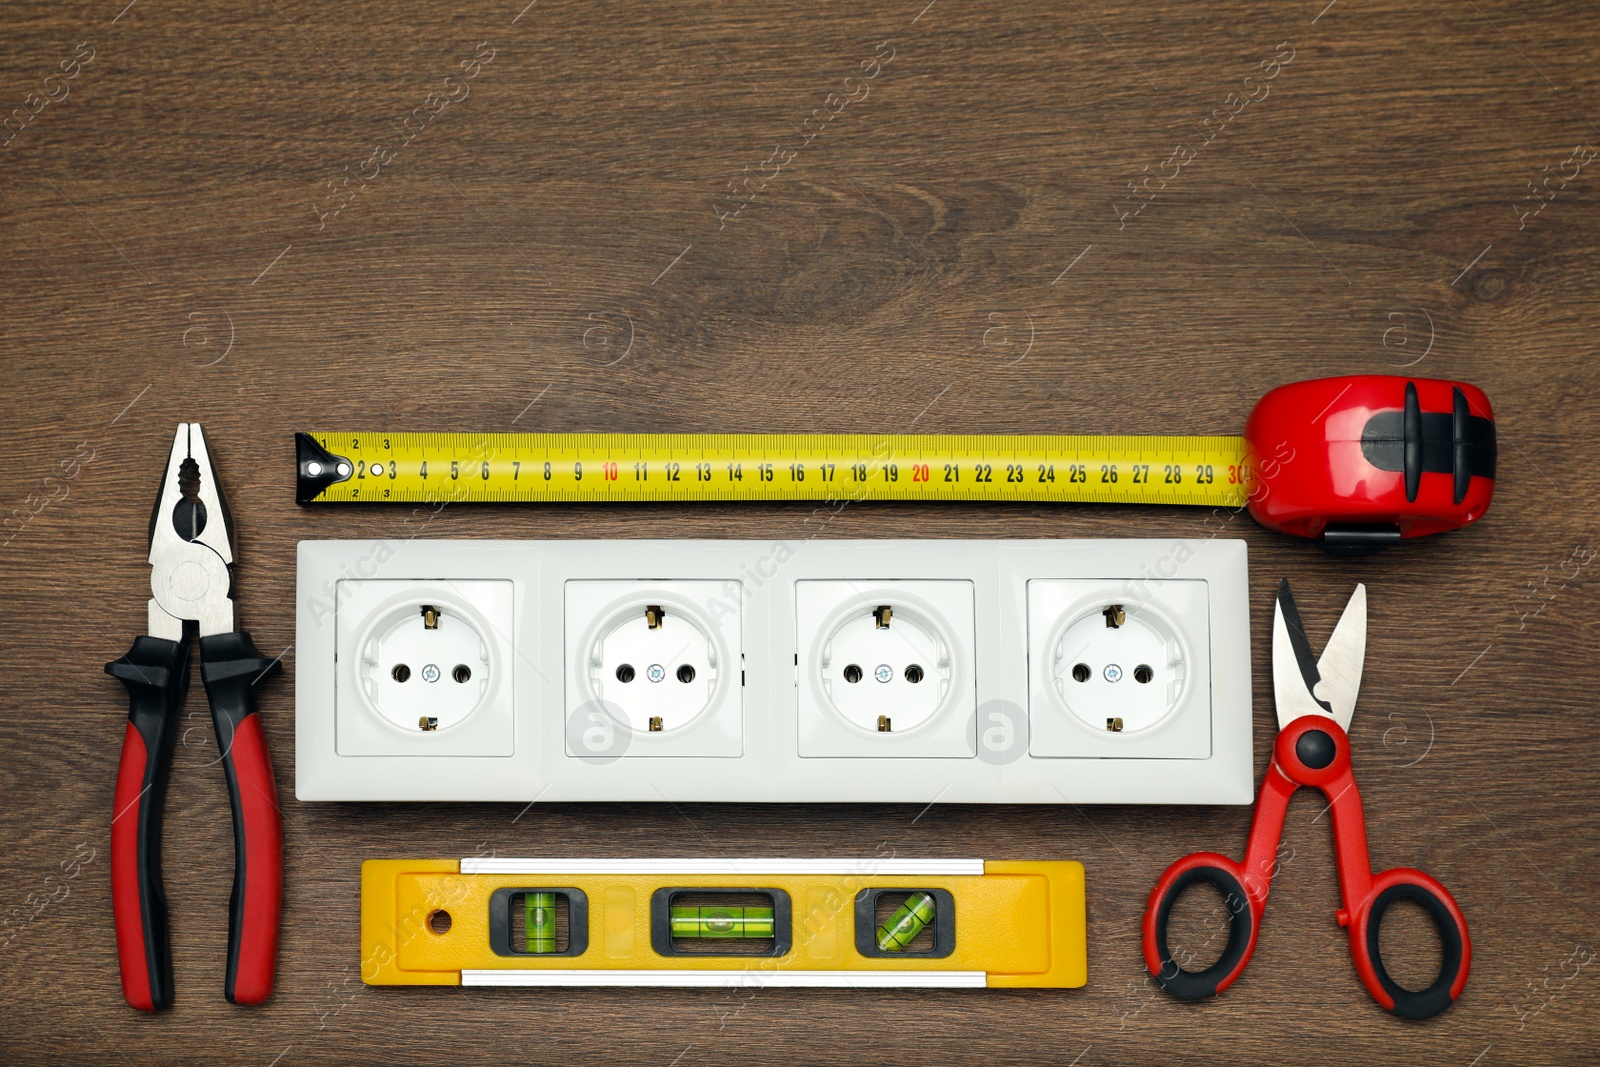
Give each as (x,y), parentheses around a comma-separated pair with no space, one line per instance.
(191,551)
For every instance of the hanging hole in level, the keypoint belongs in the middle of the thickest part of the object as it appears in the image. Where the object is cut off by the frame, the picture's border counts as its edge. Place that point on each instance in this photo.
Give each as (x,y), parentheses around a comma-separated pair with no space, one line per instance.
(462,672)
(913,674)
(400,673)
(852,674)
(625,673)
(686,674)
(1081,673)
(439,922)
(1142,674)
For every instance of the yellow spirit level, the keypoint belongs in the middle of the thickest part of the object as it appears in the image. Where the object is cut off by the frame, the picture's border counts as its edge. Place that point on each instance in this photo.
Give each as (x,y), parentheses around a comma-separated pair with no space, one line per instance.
(936,923)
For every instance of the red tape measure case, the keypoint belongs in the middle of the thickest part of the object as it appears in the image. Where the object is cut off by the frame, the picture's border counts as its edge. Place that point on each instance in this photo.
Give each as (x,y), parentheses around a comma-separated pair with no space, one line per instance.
(1362,462)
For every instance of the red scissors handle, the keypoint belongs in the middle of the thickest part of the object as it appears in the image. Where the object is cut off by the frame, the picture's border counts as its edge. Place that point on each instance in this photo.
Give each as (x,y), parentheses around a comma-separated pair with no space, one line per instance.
(1311,751)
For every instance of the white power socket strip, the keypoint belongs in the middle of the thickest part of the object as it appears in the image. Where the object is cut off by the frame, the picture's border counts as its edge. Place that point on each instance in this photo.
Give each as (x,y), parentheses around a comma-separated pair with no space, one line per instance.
(748,671)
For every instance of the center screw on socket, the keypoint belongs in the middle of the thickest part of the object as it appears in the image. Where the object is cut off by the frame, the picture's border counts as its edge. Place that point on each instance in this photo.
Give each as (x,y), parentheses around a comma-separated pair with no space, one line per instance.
(430,673)
(1113,672)
(655,672)
(883,672)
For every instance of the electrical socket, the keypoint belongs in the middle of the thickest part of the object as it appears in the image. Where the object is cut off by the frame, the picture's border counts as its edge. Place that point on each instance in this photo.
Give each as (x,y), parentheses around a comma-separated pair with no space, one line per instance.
(1116,669)
(423,668)
(986,620)
(885,669)
(658,662)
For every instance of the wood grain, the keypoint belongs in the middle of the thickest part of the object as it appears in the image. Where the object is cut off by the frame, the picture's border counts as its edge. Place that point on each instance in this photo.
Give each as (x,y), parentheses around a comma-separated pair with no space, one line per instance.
(546,253)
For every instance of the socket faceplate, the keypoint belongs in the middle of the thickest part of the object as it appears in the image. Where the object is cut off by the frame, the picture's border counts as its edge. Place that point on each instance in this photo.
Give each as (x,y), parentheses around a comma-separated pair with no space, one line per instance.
(378,629)
(652,669)
(1012,745)
(1119,669)
(885,668)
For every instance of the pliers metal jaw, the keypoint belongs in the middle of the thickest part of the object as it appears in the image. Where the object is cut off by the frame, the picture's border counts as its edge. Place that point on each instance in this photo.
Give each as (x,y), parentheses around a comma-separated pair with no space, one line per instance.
(191,544)
(191,550)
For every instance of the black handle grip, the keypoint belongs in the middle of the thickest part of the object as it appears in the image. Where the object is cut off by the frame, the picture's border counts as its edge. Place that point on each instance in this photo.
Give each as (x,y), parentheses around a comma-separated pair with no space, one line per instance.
(156,674)
(232,668)
(1425,1003)
(1197,985)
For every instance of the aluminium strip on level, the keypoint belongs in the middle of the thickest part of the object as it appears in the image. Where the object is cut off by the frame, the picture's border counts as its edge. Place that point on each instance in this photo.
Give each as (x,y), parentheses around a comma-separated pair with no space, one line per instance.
(752,978)
(742,866)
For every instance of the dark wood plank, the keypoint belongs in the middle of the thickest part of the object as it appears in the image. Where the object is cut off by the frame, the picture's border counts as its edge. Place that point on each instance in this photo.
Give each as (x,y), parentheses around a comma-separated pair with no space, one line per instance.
(546,254)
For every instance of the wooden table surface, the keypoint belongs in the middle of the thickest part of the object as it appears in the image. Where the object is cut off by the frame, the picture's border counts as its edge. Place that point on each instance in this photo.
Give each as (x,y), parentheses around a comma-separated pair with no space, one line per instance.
(279,215)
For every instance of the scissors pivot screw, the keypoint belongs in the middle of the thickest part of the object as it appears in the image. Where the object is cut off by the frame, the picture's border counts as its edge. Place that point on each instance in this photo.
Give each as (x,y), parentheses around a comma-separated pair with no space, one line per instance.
(1315,749)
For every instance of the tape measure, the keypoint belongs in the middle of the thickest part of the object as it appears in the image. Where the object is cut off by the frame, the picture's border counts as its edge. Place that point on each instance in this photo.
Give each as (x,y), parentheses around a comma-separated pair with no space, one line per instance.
(1357,463)
(609,468)
(879,923)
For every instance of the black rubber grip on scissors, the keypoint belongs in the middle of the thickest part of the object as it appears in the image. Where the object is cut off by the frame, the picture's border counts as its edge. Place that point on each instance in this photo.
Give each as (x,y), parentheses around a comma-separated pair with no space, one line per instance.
(1197,985)
(156,674)
(1436,998)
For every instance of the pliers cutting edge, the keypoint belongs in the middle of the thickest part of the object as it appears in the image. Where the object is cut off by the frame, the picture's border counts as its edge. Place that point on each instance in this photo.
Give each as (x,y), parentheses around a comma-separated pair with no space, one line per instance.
(191,551)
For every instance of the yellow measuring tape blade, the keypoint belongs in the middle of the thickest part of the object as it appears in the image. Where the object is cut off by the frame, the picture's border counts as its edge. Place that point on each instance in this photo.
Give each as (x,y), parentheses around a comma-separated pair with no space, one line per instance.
(596,468)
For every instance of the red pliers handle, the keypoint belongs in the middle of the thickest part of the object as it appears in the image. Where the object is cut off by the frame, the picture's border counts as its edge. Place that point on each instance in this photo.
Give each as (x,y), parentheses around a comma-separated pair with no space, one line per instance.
(156,674)
(190,553)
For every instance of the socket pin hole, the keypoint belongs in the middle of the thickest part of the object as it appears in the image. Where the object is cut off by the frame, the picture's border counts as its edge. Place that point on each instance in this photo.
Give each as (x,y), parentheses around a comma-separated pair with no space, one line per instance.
(913,674)
(1142,673)
(1081,673)
(461,673)
(625,673)
(852,674)
(401,672)
(686,674)
(439,922)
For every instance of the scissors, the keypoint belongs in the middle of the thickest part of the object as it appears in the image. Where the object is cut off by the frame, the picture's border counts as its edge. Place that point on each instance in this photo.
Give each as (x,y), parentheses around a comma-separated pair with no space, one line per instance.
(1315,700)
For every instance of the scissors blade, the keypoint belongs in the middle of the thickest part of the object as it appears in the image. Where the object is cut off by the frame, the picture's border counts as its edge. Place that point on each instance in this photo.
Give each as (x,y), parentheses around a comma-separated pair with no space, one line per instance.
(1342,660)
(1303,685)
(1294,669)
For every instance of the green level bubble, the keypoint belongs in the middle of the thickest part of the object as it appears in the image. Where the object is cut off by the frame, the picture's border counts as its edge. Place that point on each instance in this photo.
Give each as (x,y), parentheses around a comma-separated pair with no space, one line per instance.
(715,921)
(908,920)
(539,921)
